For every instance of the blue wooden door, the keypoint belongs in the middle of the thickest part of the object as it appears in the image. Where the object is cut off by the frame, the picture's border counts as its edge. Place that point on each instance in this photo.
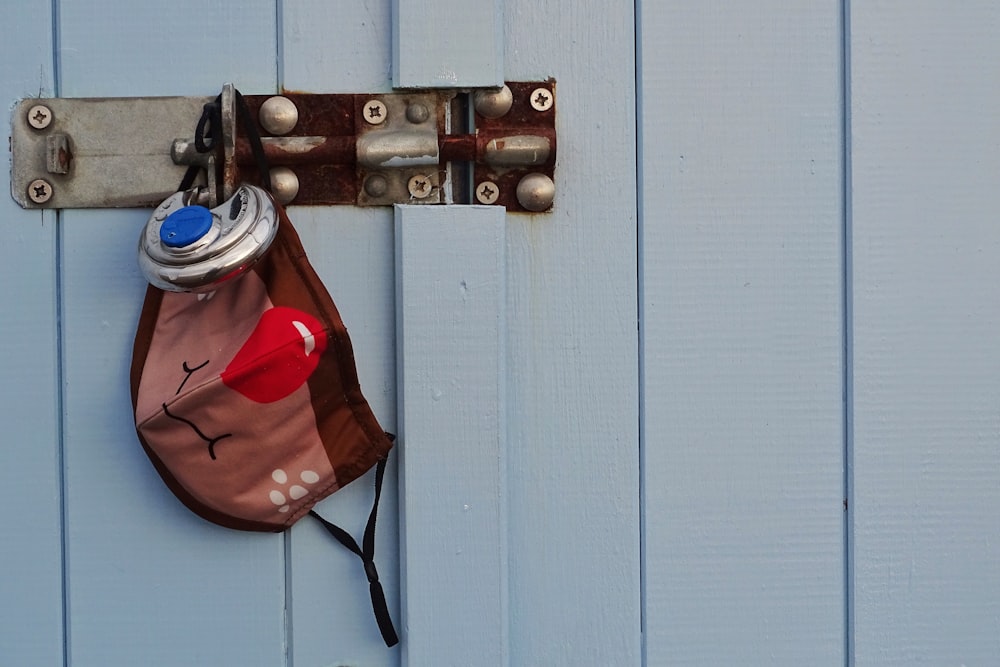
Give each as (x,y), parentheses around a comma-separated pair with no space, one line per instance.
(511,341)
(735,400)
(821,401)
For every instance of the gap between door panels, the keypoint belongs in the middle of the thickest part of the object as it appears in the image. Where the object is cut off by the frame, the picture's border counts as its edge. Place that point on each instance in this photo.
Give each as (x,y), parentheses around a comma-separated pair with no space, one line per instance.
(847,314)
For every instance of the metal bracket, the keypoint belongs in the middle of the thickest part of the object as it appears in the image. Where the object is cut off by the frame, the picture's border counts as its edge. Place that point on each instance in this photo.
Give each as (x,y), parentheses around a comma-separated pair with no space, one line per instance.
(494,147)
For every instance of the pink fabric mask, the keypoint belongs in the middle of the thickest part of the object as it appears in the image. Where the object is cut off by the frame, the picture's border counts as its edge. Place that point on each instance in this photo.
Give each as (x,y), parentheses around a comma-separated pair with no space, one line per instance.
(245,392)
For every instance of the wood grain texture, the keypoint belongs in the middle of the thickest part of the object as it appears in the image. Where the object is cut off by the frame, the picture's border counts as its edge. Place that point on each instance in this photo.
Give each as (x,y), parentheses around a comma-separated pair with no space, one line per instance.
(330,610)
(346,47)
(742,333)
(149,582)
(447,43)
(342,47)
(451,336)
(31,624)
(572,360)
(925,166)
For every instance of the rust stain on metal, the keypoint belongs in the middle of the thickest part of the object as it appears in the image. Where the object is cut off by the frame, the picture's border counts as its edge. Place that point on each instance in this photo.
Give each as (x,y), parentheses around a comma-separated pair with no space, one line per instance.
(316,150)
(322,147)
(522,119)
(65,157)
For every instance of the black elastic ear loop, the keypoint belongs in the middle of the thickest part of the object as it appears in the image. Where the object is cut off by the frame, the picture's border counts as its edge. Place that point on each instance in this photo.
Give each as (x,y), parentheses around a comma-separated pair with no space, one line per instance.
(255,143)
(208,135)
(367,555)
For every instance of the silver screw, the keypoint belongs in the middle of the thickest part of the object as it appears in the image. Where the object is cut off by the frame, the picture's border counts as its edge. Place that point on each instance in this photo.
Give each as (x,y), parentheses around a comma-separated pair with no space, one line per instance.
(284,184)
(420,186)
(39,191)
(376,185)
(39,116)
(375,112)
(493,103)
(278,115)
(536,192)
(487,192)
(417,113)
(542,99)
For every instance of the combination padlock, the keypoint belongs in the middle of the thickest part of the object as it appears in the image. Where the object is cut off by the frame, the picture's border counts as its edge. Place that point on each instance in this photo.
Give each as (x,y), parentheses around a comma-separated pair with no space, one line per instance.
(185,247)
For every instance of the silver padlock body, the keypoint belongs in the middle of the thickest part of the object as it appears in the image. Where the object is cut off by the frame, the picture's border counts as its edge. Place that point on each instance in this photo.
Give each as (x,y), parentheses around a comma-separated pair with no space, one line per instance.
(193,249)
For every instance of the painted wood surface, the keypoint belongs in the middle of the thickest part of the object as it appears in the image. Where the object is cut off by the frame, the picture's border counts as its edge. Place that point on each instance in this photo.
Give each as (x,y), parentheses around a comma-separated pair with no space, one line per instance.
(147,581)
(761,313)
(346,48)
(451,338)
(447,43)
(742,333)
(925,244)
(31,610)
(572,360)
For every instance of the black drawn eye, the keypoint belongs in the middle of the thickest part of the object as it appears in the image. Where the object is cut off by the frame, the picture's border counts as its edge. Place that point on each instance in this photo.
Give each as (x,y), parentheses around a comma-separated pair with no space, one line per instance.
(189,371)
(211,441)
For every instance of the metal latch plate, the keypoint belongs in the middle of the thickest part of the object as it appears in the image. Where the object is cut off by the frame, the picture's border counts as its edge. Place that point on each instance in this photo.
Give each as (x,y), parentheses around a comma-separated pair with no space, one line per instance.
(420,146)
(115,151)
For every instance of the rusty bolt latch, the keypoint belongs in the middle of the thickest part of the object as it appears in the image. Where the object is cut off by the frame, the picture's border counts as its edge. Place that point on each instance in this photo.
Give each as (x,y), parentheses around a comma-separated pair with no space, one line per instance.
(417,147)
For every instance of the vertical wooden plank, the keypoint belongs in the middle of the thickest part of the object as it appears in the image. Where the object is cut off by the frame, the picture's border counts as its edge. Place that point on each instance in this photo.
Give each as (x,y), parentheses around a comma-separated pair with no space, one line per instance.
(346,47)
(149,582)
(742,333)
(450,340)
(31,625)
(447,43)
(572,366)
(925,168)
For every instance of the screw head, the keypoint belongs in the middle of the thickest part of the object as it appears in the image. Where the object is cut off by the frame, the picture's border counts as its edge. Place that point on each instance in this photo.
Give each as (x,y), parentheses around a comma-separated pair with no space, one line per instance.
(493,103)
(39,191)
(39,116)
(284,184)
(375,112)
(278,115)
(542,99)
(417,113)
(487,192)
(536,192)
(420,186)
(376,185)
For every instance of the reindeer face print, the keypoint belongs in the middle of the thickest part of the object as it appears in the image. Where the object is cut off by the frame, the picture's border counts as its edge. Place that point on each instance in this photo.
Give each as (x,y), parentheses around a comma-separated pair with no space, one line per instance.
(225,392)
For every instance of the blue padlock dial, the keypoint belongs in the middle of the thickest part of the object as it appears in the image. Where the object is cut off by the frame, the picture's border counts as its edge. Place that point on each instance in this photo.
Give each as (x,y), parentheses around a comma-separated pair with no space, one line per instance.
(185,226)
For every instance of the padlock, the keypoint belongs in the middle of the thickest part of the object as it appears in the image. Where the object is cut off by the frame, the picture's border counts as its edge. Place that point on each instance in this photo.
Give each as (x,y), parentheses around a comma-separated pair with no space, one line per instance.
(185,247)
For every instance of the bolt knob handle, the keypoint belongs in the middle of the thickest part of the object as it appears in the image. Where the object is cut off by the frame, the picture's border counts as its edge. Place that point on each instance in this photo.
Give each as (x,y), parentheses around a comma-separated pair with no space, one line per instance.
(536,192)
